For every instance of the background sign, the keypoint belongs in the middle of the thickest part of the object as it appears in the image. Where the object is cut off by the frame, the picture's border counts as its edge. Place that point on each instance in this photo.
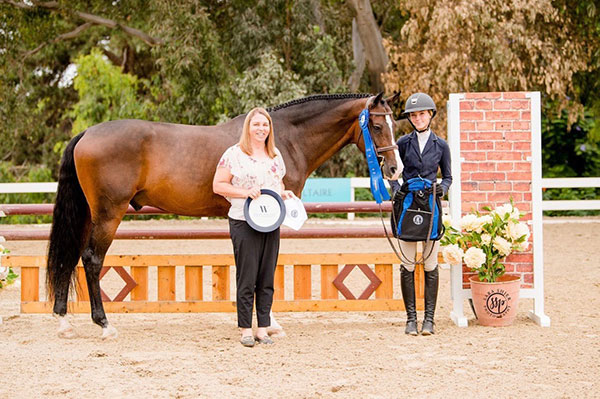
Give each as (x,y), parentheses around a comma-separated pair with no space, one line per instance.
(327,190)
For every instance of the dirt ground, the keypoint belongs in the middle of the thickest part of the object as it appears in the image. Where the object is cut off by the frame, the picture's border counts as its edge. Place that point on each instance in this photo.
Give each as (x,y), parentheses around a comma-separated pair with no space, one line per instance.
(325,355)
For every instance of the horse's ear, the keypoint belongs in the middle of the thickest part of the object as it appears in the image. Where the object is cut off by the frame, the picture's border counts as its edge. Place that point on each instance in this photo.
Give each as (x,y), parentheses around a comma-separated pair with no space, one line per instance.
(393,100)
(376,101)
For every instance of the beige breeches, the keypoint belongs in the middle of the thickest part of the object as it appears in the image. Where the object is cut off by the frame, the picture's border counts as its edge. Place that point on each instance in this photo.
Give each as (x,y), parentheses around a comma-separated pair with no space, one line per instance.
(409,252)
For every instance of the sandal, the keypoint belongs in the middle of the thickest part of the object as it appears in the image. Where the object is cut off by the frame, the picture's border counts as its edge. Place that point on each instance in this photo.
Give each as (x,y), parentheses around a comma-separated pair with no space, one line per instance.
(266,340)
(247,341)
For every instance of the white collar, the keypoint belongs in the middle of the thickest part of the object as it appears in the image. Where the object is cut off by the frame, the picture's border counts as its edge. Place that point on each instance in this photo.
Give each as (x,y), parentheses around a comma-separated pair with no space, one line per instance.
(424,136)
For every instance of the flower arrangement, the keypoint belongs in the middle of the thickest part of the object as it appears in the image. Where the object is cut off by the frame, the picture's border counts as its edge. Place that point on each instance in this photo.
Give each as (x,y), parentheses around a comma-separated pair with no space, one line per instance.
(7,276)
(484,241)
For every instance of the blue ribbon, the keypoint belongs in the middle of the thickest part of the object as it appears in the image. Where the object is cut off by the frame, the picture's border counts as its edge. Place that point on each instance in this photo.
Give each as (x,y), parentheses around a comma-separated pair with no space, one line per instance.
(378,188)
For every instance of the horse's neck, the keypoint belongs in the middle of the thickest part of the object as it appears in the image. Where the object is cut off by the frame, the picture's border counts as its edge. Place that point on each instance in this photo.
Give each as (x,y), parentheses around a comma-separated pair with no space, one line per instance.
(322,131)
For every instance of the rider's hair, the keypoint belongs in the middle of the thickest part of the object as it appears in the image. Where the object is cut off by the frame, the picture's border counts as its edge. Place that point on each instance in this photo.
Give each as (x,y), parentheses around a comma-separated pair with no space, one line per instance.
(245,138)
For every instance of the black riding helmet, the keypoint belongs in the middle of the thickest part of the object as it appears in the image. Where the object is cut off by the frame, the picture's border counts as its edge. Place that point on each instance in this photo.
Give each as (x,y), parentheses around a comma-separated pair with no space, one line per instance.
(419,102)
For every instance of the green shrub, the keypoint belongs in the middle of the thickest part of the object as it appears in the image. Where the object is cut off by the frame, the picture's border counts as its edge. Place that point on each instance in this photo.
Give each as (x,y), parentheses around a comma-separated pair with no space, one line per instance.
(570,150)
(10,277)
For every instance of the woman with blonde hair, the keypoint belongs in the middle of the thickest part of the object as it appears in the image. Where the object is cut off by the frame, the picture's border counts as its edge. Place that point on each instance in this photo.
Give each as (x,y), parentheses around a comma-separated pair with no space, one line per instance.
(244,169)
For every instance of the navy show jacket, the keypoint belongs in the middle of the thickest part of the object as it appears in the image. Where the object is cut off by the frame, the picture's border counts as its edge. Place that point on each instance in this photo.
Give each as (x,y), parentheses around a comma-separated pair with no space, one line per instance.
(436,153)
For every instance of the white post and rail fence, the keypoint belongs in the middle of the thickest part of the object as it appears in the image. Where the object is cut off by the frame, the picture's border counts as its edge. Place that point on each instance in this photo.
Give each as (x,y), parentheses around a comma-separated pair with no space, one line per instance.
(326,194)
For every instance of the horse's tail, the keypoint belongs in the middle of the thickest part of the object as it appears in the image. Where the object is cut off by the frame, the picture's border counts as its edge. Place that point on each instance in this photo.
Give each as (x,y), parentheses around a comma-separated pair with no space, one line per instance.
(68,224)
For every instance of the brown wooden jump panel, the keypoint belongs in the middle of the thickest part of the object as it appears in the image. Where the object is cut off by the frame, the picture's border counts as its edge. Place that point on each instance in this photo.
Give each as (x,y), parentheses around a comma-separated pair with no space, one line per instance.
(377,267)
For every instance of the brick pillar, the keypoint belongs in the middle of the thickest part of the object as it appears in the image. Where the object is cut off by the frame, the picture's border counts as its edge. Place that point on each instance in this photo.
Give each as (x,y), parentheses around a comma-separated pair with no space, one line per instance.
(496,162)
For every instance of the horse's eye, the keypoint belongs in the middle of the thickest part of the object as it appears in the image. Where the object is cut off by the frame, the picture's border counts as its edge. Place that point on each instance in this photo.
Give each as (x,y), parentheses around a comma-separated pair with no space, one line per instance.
(377,128)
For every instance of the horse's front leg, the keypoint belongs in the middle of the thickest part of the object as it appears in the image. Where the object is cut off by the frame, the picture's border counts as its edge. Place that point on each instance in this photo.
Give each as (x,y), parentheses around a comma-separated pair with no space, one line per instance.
(101,237)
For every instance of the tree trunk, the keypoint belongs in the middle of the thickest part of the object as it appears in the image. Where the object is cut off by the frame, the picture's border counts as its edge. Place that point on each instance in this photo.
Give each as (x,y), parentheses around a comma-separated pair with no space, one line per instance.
(359,58)
(316,7)
(372,41)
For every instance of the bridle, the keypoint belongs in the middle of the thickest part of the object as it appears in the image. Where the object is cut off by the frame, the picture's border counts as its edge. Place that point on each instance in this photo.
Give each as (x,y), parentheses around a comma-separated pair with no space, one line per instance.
(378,150)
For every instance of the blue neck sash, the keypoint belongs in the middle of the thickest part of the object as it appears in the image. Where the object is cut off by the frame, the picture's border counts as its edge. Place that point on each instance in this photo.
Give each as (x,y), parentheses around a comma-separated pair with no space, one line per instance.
(378,188)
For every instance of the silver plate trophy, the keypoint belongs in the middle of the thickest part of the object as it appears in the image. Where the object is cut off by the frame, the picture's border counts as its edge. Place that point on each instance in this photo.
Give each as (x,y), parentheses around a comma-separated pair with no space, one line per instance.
(265,213)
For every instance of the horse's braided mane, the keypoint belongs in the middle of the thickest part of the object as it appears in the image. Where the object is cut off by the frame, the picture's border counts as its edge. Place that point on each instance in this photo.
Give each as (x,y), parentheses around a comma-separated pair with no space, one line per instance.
(318,97)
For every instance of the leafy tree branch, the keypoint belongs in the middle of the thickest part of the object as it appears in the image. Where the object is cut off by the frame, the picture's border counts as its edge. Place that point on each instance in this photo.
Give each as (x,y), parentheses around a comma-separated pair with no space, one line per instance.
(90,19)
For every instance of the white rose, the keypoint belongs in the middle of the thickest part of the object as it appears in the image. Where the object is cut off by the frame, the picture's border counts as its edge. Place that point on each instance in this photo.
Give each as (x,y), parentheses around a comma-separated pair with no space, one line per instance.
(516,230)
(502,245)
(3,272)
(503,210)
(521,229)
(452,254)
(474,258)
(511,231)
(515,213)
(467,222)
(522,246)
(480,222)
(486,239)
(447,220)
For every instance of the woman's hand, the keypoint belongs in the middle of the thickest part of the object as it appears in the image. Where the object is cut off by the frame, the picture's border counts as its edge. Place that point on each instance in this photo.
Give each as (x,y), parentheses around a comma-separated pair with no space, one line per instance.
(253,192)
(287,194)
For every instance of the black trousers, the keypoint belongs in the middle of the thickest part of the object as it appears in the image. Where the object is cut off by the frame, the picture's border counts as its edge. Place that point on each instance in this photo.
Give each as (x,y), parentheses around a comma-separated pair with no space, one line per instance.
(255,256)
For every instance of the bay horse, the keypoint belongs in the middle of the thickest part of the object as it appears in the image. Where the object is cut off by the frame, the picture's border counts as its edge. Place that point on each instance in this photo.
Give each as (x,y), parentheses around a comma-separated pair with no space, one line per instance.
(171,166)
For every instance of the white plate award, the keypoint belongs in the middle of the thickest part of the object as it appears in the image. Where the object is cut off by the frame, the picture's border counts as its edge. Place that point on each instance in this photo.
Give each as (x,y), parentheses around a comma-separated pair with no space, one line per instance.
(265,213)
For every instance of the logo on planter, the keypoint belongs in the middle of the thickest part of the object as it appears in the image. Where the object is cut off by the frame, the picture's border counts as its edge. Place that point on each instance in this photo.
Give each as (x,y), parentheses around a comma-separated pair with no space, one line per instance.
(497,303)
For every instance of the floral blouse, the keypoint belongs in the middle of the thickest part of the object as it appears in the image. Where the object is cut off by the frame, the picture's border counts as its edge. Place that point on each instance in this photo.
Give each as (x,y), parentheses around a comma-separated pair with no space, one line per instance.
(249,172)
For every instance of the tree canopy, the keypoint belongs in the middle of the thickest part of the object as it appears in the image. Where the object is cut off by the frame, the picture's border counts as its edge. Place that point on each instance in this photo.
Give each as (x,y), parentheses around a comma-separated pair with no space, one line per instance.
(204,61)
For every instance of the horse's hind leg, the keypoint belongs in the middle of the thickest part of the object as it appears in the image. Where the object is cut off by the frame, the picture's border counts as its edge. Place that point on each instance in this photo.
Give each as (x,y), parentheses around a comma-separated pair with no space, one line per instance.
(61,295)
(101,236)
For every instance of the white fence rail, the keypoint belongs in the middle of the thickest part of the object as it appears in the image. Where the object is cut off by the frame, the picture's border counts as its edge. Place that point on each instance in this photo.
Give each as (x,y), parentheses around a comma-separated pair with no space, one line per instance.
(570,205)
(21,188)
(547,205)
(363,182)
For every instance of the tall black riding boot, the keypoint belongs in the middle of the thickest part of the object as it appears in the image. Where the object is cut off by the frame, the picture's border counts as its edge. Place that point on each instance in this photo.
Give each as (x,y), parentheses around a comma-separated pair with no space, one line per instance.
(407,284)
(431,291)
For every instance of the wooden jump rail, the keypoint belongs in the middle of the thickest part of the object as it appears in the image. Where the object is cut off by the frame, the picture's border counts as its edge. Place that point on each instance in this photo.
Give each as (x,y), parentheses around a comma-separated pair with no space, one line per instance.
(334,268)
(206,234)
(134,270)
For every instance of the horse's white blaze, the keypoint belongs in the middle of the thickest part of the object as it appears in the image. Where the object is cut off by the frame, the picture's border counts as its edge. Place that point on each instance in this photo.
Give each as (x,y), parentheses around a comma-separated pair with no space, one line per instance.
(388,119)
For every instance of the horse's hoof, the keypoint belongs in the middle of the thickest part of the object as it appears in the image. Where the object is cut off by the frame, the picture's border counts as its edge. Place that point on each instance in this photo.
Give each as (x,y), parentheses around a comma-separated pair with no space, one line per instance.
(109,332)
(66,333)
(64,327)
(276,332)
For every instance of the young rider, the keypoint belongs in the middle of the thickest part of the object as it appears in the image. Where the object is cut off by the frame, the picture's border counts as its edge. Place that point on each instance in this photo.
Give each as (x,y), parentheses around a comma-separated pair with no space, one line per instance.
(422,152)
